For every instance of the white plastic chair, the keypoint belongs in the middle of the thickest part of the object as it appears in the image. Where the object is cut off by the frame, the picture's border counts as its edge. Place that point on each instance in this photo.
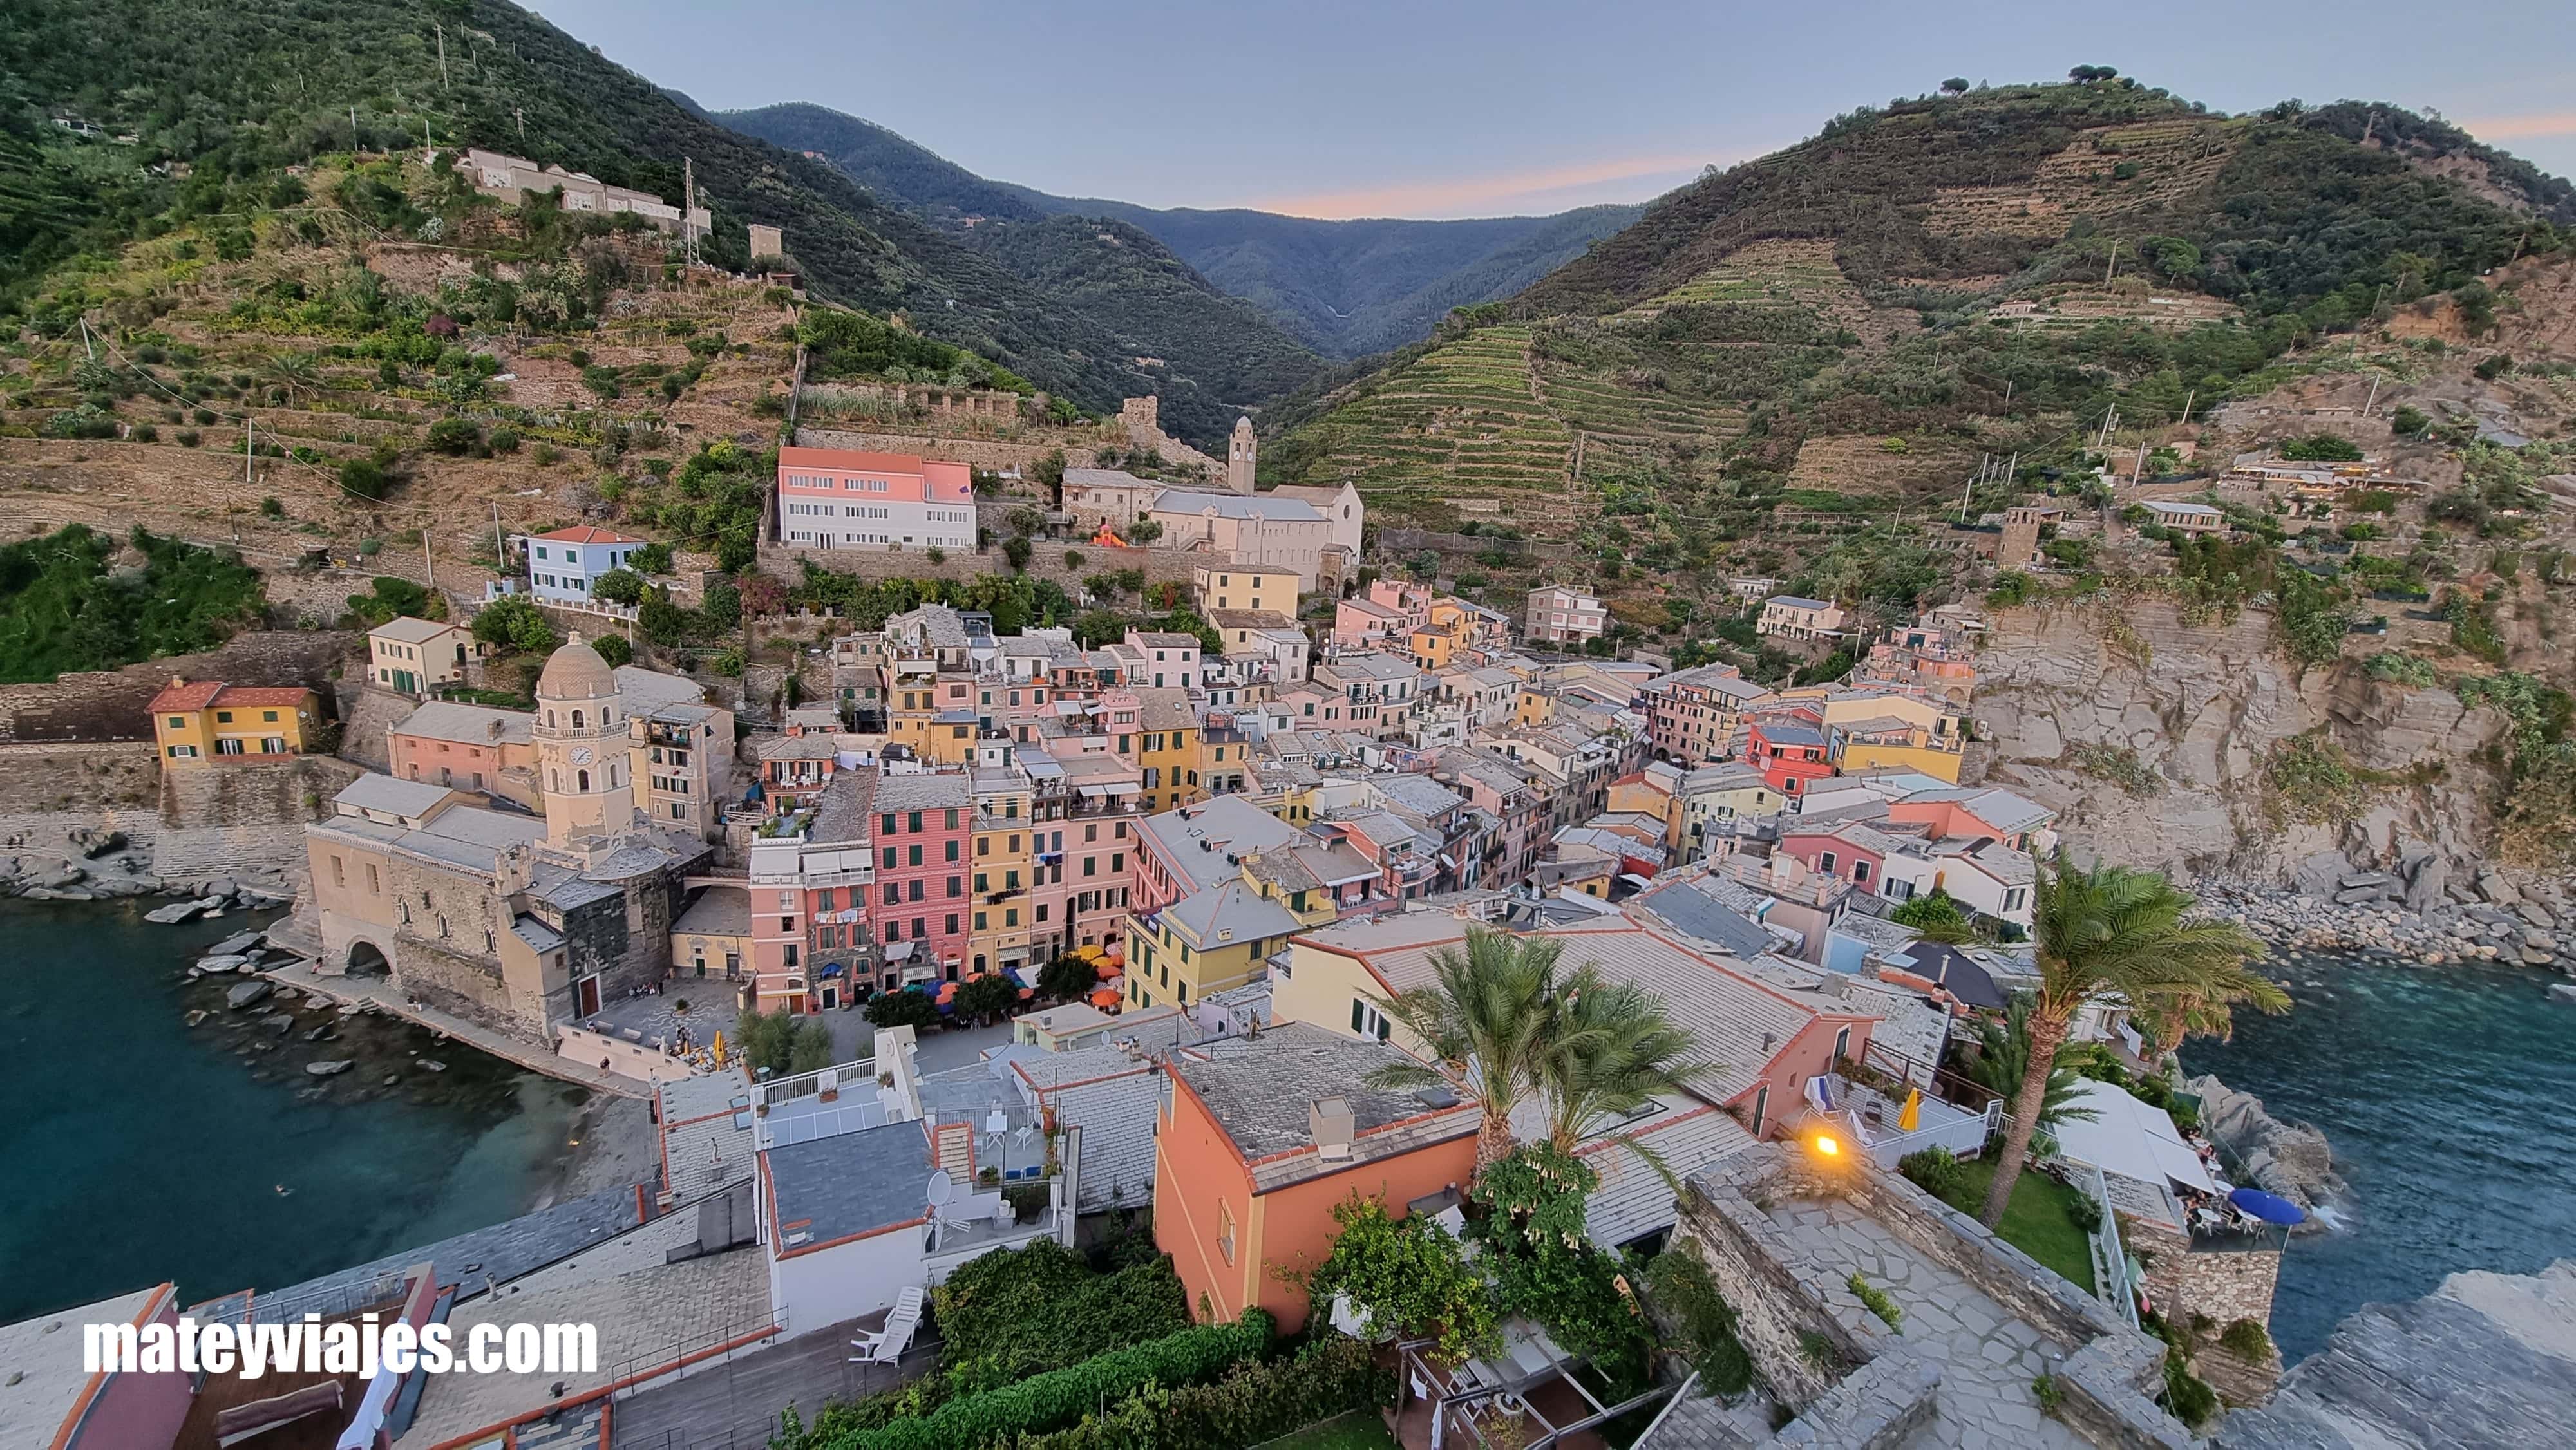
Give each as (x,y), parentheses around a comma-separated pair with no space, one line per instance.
(886,1346)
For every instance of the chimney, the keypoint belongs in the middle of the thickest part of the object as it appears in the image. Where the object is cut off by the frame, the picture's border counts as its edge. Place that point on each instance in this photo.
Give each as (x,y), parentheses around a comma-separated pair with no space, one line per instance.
(1333,1125)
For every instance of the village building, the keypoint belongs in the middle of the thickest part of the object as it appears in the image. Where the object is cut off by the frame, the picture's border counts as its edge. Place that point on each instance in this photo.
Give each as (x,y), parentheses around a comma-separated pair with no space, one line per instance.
(832,498)
(415,656)
(1257,529)
(201,722)
(1786,616)
(516,923)
(564,565)
(1564,617)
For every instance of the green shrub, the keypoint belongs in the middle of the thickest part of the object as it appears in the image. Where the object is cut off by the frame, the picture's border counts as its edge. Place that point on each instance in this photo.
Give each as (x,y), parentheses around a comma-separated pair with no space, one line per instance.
(1011,1315)
(2246,1340)
(454,436)
(366,478)
(1875,1300)
(505,440)
(2321,448)
(1704,1321)
(1251,1404)
(1937,1171)
(614,649)
(2085,1210)
(618,586)
(1062,1397)
(189,438)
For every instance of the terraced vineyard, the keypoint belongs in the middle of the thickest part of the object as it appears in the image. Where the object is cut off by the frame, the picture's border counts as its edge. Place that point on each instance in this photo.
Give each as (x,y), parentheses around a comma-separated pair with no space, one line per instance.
(1461,419)
(2167,162)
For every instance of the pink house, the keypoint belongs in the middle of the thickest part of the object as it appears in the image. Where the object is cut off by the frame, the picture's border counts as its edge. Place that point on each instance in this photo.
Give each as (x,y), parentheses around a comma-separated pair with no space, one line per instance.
(1387,614)
(832,498)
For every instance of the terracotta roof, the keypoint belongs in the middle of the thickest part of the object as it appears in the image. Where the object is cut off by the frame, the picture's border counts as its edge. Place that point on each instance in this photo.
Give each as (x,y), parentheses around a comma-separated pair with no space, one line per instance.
(238,696)
(590,534)
(849,460)
(187,695)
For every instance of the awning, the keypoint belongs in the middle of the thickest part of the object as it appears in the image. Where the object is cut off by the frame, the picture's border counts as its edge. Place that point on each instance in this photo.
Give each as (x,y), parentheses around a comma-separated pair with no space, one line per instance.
(1093,792)
(2127,1137)
(900,951)
(831,969)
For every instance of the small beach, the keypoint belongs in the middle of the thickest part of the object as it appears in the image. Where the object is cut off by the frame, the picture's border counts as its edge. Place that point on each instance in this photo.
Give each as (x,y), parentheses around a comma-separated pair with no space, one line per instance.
(209,1155)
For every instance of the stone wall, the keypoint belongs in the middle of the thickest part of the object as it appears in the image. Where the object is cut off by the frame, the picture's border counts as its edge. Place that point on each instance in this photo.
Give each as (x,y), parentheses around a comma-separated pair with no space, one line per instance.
(46,777)
(1877,1407)
(366,713)
(1047,561)
(114,704)
(472,987)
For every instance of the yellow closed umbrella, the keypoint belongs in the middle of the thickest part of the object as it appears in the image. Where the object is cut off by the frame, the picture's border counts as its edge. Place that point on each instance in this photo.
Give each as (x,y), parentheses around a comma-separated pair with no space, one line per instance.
(1912,1117)
(720,1059)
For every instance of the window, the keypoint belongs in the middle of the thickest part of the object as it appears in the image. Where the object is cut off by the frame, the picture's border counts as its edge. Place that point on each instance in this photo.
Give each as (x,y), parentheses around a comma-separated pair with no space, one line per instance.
(912,854)
(1761,1108)
(912,823)
(952,923)
(890,859)
(952,844)
(1825,863)
(1860,873)
(919,890)
(1842,1045)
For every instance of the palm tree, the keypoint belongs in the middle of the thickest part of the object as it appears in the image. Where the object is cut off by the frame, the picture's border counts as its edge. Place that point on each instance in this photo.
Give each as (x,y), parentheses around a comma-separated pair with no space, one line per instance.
(1485,1018)
(1612,1049)
(2003,1057)
(292,373)
(2118,929)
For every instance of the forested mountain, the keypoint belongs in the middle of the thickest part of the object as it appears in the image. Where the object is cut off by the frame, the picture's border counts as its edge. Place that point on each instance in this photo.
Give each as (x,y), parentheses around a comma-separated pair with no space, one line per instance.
(1844,328)
(1345,288)
(233,93)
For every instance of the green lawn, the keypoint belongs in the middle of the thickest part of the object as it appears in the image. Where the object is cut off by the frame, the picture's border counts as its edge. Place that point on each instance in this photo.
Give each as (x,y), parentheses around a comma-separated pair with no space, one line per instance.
(2035,1222)
(1358,1430)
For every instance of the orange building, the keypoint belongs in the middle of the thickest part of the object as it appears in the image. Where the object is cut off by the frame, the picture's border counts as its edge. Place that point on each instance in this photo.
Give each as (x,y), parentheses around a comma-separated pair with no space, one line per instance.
(195,722)
(1264,1135)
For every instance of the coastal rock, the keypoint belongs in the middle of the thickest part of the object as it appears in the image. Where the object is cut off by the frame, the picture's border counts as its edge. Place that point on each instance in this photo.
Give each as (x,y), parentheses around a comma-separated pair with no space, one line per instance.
(431,1064)
(329,1069)
(175,912)
(2320,875)
(238,942)
(247,994)
(2533,912)
(280,1023)
(60,877)
(228,963)
(107,845)
(2562,991)
(322,1033)
(2491,886)
(2290,1159)
(2483,1360)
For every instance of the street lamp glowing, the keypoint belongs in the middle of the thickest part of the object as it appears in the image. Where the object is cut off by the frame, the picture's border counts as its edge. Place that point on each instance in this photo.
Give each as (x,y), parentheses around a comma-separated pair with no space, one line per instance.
(1826,1145)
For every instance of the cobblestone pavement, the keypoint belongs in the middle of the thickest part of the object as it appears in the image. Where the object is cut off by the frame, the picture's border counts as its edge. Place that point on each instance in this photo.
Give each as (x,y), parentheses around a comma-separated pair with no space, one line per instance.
(1988,1357)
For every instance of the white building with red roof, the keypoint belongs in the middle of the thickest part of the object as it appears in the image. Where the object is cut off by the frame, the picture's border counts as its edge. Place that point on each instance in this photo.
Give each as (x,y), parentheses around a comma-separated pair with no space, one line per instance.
(565,564)
(838,498)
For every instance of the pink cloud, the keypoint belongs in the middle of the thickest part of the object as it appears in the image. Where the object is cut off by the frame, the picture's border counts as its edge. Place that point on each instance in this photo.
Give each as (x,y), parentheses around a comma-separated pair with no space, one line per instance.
(2547,123)
(1492,192)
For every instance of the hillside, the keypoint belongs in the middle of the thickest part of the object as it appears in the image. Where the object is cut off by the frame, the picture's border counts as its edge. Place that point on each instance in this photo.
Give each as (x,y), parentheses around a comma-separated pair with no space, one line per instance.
(193,119)
(1844,329)
(1347,289)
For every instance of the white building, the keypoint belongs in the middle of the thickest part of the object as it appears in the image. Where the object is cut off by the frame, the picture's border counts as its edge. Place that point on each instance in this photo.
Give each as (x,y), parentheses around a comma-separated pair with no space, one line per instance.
(1564,616)
(564,564)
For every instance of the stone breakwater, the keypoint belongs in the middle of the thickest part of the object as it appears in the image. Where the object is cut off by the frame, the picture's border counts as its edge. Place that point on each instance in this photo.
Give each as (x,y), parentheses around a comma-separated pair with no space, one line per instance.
(105,865)
(2492,919)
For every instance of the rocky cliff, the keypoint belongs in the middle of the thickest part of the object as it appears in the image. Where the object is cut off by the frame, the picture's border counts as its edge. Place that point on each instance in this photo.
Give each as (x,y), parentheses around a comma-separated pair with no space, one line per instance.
(2155,739)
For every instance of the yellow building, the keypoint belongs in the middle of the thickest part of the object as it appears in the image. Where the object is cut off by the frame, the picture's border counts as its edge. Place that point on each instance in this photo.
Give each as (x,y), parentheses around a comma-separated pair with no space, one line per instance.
(1244,586)
(1205,942)
(1932,760)
(1004,926)
(1167,749)
(200,721)
(713,937)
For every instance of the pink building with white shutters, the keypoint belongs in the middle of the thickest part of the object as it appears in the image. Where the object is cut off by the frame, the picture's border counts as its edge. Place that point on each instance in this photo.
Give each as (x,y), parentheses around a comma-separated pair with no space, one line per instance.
(831,498)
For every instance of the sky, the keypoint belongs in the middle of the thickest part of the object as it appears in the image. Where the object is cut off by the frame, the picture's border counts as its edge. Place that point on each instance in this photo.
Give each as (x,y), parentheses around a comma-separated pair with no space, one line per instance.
(1420,108)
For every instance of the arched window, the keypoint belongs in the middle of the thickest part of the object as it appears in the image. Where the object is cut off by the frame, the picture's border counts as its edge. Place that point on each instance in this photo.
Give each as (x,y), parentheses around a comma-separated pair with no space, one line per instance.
(558,780)
(581,780)
(576,719)
(550,719)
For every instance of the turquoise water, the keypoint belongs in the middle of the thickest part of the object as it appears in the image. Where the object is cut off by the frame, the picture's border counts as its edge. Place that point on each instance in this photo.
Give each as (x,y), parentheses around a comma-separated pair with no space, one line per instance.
(137,1149)
(2448,1094)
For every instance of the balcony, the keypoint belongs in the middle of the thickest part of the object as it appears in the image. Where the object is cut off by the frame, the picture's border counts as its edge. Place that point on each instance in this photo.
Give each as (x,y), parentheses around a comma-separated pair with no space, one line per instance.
(1871,1117)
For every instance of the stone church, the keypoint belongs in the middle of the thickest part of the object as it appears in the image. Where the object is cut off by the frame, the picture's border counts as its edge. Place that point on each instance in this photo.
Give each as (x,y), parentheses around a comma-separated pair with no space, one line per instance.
(500,917)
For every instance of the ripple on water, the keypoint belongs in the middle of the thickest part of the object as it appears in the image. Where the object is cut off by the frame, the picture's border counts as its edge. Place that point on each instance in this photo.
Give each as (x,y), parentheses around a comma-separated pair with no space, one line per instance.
(2444,1092)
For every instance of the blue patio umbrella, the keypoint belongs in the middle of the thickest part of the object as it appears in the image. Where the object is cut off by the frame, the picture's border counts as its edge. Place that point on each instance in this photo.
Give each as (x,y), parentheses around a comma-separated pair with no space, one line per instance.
(2269,1207)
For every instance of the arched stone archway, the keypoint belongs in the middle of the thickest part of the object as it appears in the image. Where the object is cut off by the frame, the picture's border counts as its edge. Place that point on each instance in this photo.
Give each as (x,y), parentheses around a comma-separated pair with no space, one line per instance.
(366,959)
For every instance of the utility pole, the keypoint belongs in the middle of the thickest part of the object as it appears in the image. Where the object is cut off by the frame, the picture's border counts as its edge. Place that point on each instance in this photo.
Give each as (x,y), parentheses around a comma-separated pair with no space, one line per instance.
(500,546)
(689,206)
(248,479)
(2373,399)
(2112,266)
(428,566)
(2187,399)
(521,113)
(442,54)
(353,129)
(87,341)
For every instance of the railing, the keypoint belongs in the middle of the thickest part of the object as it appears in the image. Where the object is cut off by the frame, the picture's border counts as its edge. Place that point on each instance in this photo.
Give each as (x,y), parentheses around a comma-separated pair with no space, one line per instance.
(2111,1279)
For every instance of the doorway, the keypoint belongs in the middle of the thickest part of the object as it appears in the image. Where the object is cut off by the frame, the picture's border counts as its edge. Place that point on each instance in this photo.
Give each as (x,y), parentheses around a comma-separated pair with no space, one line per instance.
(585,991)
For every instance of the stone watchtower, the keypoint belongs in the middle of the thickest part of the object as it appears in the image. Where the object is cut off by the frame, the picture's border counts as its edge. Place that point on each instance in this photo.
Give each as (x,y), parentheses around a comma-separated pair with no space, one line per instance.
(581,747)
(1239,453)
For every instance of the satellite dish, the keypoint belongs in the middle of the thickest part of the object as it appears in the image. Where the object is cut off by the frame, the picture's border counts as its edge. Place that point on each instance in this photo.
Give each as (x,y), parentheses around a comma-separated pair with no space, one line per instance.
(942,1188)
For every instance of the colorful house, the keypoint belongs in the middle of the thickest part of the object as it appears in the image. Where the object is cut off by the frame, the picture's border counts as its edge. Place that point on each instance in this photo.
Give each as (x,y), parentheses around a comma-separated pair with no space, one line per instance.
(1788,751)
(198,721)
(415,656)
(563,565)
(924,833)
(1265,1135)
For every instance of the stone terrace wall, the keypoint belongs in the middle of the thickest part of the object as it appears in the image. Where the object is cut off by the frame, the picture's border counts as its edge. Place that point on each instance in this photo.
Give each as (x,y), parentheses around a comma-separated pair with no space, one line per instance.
(1047,561)
(112,704)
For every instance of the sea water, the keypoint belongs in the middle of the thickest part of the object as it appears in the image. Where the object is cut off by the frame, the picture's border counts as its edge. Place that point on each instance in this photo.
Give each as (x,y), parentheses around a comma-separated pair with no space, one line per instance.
(137,1149)
(2449,1097)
